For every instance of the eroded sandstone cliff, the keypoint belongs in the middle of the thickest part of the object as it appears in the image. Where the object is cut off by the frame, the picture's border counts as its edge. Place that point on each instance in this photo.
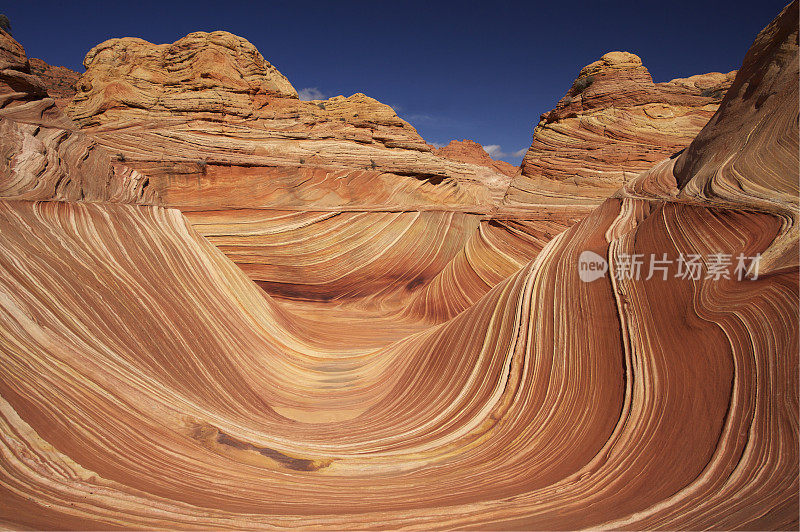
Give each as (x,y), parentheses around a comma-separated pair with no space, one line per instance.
(43,156)
(209,111)
(60,82)
(612,124)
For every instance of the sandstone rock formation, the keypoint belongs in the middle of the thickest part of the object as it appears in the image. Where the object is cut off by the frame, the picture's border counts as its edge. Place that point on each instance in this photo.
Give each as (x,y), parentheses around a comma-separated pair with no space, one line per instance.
(203,72)
(612,124)
(210,105)
(42,155)
(469,151)
(59,81)
(148,382)
(221,135)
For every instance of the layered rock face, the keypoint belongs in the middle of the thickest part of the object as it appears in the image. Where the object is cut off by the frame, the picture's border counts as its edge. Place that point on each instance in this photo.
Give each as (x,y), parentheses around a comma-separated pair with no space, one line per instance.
(221,135)
(203,72)
(469,151)
(209,104)
(148,382)
(612,124)
(42,155)
(59,81)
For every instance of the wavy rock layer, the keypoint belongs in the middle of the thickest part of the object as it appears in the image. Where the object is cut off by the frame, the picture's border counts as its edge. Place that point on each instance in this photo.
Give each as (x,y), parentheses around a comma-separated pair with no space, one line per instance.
(149,383)
(613,124)
(42,154)
(583,428)
(418,265)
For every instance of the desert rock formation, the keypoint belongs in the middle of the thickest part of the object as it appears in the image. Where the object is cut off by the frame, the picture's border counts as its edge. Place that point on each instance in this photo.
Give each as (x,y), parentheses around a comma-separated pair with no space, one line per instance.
(209,104)
(43,155)
(469,151)
(612,124)
(60,82)
(221,135)
(148,382)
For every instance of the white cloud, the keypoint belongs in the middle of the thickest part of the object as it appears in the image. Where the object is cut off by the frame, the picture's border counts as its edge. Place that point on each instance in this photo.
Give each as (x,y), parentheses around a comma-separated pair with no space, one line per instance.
(496,152)
(436,145)
(311,93)
(421,118)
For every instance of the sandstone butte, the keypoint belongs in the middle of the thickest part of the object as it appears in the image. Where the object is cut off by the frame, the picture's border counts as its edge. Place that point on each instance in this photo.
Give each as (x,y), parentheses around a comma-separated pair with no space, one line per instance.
(417,350)
(469,151)
(612,124)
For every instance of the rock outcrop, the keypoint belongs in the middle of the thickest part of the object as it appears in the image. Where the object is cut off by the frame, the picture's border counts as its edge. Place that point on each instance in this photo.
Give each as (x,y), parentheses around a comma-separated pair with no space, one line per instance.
(210,127)
(209,104)
(42,154)
(59,81)
(216,73)
(221,135)
(469,151)
(612,124)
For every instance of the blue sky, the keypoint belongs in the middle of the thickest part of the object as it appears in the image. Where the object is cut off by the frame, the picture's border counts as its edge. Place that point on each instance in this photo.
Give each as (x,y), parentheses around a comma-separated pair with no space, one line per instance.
(478,70)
